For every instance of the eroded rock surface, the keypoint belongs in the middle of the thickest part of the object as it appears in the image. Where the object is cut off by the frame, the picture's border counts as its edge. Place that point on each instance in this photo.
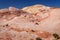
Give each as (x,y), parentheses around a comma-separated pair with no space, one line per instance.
(30,23)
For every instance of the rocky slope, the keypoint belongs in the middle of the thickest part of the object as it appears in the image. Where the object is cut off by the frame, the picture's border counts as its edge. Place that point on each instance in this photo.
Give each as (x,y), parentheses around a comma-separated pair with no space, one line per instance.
(37,22)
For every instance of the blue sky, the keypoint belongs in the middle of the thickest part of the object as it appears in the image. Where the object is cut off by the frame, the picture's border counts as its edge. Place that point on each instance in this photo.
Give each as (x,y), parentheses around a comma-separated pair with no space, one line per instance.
(23,3)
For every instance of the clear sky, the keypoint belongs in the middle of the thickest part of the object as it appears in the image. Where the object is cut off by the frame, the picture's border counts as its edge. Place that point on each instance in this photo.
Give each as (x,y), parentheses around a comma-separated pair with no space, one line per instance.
(23,3)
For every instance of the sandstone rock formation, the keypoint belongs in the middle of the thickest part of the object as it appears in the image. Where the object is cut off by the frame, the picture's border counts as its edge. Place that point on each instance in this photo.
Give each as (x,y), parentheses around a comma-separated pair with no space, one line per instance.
(37,22)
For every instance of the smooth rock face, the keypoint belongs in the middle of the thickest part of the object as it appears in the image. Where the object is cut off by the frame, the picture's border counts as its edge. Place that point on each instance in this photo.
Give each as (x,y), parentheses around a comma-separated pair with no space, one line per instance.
(29,23)
(13,9)
(3,10)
